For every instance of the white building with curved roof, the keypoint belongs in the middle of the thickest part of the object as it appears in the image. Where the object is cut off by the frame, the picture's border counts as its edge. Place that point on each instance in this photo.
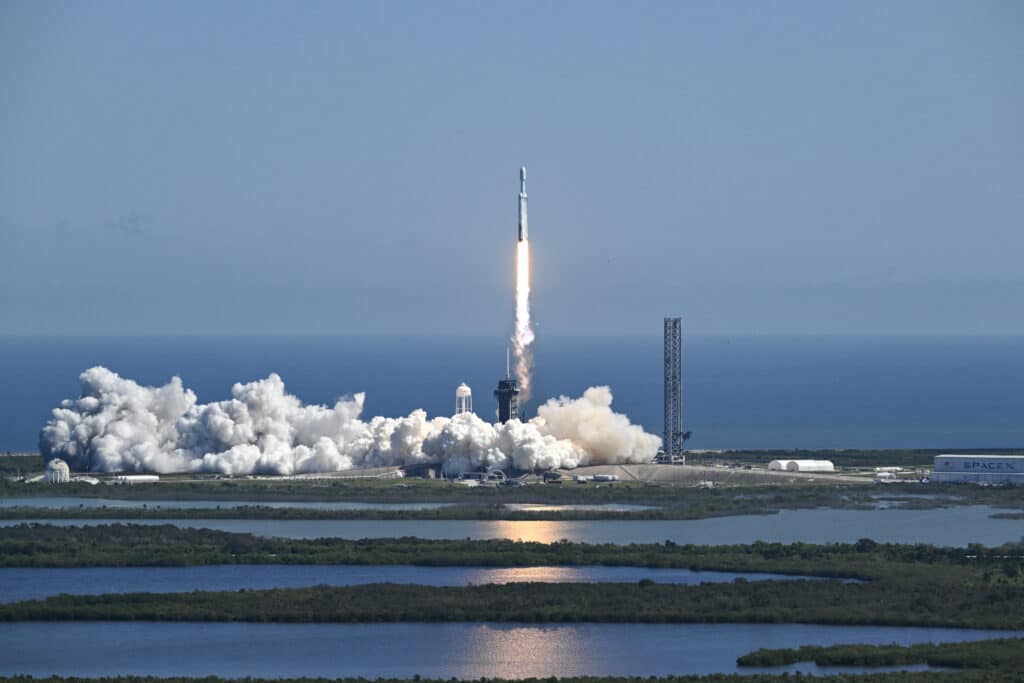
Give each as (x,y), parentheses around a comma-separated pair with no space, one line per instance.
(801,466)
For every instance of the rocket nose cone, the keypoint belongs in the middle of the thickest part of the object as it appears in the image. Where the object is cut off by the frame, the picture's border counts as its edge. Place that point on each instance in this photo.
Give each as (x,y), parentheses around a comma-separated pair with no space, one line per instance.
(522,173)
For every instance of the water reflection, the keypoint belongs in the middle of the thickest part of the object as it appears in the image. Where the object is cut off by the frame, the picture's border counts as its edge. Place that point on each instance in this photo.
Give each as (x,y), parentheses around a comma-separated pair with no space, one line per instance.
(957,526)
(536,532)
(468,651)
(30,584)
(604,507)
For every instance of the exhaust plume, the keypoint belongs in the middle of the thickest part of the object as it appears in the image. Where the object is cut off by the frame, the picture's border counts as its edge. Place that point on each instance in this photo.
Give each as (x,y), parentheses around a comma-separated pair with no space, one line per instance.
(118,425)
(522,340)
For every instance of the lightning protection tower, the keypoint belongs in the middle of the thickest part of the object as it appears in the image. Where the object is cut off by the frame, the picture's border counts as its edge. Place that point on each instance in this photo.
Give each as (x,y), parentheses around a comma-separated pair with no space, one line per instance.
(673,437)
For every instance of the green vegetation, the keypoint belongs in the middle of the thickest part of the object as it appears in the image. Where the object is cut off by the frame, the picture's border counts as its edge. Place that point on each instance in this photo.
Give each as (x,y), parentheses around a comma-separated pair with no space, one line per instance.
(888,603)
(1006,653)
(120,545)
(19,464)
(694,509)
(903,585)
(998,676)
(920,585)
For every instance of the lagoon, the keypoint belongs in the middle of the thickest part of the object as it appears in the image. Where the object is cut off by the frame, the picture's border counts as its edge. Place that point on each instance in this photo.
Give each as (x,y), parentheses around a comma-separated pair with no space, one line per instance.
(18,584)
(954,526)
(462,650)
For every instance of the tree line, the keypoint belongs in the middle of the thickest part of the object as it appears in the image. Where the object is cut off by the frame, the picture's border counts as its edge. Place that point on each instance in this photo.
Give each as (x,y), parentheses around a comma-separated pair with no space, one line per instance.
(882,603)
(122,545)
(1003,653)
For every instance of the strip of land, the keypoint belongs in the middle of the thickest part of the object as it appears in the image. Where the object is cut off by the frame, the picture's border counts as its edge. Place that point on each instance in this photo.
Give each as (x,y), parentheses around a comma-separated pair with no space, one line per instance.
(881,603)
(1005,654)
(666,502)
(964,676)
(904,585)
(127,545)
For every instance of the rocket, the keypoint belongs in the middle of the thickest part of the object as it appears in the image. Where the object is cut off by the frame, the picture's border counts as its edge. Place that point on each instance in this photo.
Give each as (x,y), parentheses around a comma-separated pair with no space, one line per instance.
(523,232)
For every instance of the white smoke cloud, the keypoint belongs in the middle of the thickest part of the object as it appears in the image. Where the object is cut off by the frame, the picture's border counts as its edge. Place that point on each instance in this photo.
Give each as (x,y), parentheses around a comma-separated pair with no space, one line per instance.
(120,426)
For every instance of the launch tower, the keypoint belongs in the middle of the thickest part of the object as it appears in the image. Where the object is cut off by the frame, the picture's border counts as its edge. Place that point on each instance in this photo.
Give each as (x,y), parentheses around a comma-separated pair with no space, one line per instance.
(507,393)
(674,436)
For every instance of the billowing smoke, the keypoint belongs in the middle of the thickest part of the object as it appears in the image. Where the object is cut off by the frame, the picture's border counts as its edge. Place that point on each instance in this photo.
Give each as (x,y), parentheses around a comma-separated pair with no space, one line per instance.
(120,426)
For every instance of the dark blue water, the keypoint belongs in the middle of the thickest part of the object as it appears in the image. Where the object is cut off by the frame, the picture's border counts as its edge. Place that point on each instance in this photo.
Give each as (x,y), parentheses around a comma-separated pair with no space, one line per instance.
(60,502)
(18,584)
(76,503)
(958,526)
(740,392)
(465,651)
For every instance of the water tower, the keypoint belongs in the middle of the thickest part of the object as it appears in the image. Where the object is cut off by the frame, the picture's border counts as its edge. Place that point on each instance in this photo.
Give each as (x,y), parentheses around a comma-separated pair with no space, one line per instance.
(57,472)
(463,399)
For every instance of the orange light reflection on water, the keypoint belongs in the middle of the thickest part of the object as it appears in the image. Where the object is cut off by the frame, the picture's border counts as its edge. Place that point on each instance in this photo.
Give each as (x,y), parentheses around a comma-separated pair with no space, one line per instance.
(537,532)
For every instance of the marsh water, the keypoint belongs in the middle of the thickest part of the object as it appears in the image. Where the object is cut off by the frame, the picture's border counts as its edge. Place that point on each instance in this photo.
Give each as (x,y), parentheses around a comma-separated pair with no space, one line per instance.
(462,650)
(61,502)
(30,583)
(955,526)
(69,502)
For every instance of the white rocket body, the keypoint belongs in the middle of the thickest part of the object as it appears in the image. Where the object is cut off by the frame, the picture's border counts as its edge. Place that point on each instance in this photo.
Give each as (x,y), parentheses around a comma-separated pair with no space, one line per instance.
(523,231)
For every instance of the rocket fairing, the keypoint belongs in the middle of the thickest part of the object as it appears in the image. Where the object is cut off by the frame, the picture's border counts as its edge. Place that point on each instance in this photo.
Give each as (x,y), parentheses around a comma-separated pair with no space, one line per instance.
(523,232)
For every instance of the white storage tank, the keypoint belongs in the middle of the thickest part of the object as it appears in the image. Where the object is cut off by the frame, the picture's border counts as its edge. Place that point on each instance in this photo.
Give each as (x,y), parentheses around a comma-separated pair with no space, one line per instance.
(979,469)
(778,465)
(57,472)
(463,399)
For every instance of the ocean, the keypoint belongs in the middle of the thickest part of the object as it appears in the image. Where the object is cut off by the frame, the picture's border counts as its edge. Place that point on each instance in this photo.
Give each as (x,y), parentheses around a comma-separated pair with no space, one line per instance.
(739,391)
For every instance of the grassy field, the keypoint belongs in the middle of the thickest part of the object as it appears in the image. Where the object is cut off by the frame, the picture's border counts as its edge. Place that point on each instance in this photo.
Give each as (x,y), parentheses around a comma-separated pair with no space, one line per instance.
(843,457)
(665,502)
(20,464)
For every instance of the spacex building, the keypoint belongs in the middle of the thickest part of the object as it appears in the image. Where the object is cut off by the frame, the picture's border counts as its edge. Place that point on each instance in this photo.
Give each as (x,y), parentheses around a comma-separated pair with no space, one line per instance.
(979,469)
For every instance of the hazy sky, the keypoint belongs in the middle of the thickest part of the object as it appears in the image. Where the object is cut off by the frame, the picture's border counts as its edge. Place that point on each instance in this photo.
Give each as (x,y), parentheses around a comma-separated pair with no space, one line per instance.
(343,167)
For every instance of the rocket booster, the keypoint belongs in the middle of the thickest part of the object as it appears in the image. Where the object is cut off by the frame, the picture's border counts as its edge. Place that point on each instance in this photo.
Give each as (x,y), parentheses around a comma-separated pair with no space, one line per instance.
(523,232)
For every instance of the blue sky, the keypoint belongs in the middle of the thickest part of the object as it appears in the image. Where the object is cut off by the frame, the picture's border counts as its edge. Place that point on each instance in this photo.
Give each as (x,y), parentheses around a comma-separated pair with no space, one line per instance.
(351,168)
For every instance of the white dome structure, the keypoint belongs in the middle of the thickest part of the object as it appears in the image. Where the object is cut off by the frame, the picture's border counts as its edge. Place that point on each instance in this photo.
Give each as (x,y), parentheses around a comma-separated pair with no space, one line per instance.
(57,472)
(463,399)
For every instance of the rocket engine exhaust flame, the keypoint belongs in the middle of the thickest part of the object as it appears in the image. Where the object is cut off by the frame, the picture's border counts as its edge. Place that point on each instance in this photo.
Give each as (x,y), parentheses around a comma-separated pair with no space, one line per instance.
(522,339)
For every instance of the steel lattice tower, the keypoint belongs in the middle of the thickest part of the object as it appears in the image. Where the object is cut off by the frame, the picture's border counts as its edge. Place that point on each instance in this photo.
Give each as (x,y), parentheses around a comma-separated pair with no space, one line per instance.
(673,436)
(507,393)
